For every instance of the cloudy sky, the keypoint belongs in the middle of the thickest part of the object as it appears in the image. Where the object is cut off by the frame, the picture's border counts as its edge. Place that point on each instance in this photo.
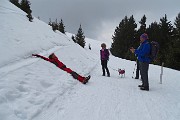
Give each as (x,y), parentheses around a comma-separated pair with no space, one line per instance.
(99,18)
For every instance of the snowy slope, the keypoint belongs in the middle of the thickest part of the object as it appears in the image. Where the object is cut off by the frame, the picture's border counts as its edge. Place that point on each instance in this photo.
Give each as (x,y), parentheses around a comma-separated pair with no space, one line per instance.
(26,37)
(34,89)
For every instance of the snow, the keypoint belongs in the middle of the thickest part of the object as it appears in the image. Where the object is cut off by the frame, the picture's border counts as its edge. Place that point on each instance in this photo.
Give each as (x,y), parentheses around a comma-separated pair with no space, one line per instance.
(34,89)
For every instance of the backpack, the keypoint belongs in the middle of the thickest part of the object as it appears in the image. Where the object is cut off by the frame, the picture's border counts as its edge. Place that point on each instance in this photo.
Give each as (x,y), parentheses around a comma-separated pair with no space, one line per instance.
(154,48)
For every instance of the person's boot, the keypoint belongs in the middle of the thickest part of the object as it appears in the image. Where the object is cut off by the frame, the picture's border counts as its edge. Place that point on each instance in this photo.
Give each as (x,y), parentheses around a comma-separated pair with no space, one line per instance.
(140,85)
(144,88)
(103,73)
(108,74)
(86,79)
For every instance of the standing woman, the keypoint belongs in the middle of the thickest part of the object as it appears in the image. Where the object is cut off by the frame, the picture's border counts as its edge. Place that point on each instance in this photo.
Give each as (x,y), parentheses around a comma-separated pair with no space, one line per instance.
(104,53)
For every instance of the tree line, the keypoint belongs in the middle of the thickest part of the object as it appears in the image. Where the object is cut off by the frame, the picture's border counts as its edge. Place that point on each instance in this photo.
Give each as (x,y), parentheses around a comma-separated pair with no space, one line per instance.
(79,38)
(126,35)
(25,6)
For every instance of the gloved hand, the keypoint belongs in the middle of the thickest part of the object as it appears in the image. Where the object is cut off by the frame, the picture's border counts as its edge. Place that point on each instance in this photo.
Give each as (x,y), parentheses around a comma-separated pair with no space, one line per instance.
(36,55)
(132,49)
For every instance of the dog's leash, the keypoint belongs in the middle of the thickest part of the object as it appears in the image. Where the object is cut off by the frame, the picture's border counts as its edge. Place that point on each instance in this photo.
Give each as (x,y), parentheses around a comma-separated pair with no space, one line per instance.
(113,69)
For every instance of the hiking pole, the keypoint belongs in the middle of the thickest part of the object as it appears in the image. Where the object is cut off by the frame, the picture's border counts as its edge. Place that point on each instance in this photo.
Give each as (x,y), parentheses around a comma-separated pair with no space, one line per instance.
(134,70)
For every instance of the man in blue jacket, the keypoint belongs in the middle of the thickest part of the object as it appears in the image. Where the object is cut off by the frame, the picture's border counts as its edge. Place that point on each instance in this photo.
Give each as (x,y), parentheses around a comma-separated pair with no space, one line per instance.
(144,60)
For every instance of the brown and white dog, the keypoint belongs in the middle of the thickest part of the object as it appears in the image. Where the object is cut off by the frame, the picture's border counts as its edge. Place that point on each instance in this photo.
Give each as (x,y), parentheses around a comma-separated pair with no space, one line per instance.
(121,72)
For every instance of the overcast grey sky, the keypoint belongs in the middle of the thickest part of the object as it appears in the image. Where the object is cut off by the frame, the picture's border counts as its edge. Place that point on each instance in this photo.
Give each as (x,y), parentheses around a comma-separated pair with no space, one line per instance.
(99,18)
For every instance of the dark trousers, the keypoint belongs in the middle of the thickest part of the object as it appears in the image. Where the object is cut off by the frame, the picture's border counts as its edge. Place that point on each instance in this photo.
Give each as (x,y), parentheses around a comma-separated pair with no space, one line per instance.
(104,67)
(137,69)
(144,73)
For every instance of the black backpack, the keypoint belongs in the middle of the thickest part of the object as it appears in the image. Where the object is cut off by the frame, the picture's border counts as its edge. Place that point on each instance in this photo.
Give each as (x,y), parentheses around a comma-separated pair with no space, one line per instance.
(154,48)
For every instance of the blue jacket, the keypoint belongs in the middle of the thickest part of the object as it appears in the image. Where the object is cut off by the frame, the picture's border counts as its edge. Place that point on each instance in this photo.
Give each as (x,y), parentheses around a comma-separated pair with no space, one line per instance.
(143,51)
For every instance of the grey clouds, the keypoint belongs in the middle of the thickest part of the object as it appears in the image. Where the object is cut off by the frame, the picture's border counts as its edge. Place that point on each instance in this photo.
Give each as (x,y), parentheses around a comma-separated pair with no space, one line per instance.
(99,18)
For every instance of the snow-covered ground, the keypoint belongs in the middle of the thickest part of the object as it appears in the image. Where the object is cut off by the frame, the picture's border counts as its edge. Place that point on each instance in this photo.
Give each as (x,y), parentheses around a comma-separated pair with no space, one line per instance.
(34,89)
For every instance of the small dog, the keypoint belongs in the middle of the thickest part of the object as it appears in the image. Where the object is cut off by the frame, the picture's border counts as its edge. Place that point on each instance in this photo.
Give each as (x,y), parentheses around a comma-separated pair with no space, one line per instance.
(121,72)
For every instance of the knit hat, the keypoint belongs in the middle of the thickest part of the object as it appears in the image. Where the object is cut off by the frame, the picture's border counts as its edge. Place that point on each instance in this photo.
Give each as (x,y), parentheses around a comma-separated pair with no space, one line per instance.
(145,36)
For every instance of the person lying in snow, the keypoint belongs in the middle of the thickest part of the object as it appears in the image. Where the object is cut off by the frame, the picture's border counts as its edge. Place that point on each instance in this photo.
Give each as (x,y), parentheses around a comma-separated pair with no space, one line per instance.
(53,59)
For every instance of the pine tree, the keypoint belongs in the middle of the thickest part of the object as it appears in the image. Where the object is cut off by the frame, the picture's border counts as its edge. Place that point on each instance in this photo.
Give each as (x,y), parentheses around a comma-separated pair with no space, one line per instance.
(73,38)
(80,38)
(15,2)
(54,26)
(50,23)
(117,43)
(172,59)
(177,24)
(154,34)
(166,33)
(61,27)
(123,38)
(131,32)
(25,6)
(142,28)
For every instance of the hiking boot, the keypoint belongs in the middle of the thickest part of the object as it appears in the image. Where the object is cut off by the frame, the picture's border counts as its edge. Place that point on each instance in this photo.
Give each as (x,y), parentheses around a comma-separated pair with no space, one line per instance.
(144,88)
(86,79)
(108,74)
(136,78)
(140,85)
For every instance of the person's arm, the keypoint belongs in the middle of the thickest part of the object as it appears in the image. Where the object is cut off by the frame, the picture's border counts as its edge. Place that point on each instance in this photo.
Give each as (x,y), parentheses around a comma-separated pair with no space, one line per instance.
(47,59)
(145,51)
(132,50)
(108,52)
